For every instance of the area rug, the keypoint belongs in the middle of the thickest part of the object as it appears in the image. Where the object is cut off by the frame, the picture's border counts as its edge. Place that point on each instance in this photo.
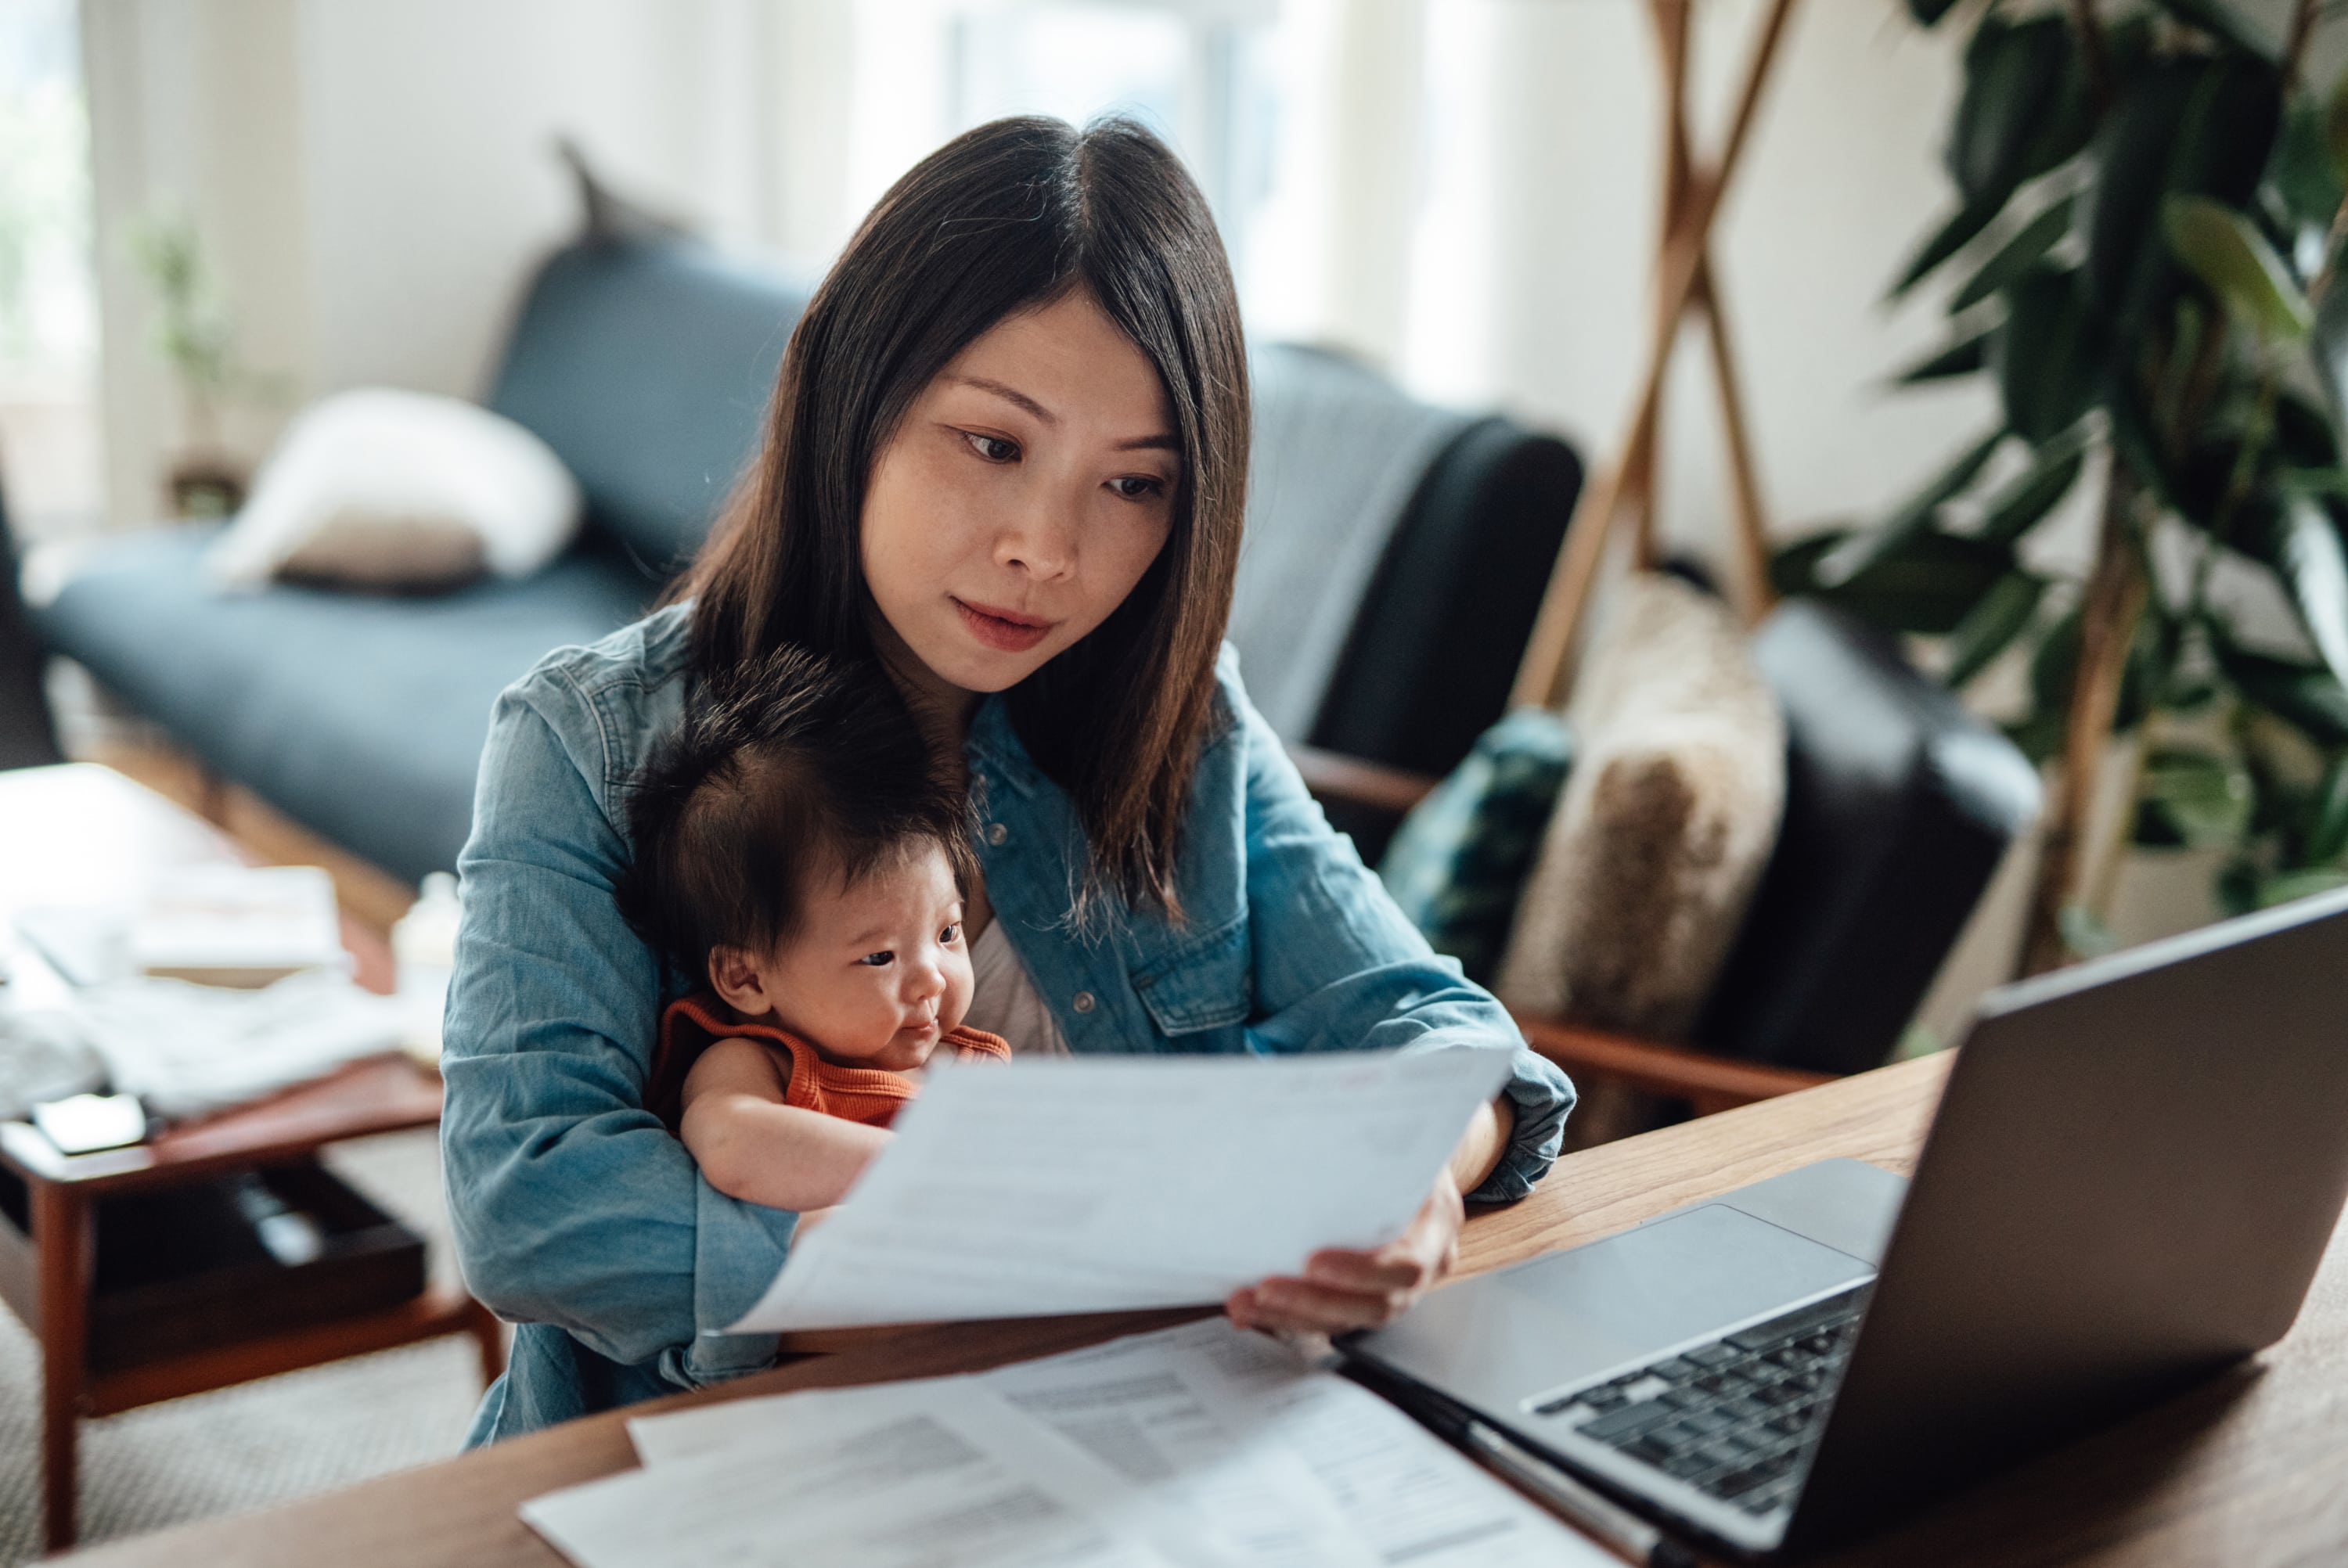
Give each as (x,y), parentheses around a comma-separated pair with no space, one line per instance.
(264,1442)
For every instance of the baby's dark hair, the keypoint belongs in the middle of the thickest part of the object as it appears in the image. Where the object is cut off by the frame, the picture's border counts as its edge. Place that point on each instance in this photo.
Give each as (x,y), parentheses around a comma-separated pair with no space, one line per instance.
(792,767)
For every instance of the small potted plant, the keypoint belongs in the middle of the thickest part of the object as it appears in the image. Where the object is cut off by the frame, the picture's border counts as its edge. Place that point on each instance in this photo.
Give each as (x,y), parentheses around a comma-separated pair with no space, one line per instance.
(194,336)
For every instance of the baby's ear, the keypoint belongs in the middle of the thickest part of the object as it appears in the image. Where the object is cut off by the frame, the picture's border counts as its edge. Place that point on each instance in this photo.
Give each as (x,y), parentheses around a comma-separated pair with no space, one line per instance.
(733,975)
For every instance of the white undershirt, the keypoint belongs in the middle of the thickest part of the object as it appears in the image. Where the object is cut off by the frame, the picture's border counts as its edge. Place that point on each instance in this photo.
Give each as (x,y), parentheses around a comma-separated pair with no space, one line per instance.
(1003,999)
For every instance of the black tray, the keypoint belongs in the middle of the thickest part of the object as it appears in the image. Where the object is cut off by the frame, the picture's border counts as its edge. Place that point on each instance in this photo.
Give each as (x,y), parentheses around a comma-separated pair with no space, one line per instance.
(188,1270)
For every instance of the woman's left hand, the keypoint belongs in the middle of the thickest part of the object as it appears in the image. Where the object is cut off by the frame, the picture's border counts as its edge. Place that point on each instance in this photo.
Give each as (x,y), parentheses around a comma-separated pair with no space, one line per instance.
(1343,1289)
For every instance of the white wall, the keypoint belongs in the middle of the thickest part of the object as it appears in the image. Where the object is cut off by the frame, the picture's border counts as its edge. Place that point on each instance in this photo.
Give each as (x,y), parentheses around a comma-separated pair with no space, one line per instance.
(1548,164)
(373,180)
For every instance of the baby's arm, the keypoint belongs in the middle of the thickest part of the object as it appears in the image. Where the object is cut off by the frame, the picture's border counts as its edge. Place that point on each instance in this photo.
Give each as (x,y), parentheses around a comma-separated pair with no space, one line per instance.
(751,1145)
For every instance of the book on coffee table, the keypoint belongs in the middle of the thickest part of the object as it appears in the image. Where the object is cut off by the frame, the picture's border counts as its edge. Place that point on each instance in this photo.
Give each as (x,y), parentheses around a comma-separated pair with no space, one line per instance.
(244,926)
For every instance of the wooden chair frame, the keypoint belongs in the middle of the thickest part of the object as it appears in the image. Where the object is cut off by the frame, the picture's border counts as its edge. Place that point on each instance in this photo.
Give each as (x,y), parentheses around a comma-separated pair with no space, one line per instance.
(1684,284)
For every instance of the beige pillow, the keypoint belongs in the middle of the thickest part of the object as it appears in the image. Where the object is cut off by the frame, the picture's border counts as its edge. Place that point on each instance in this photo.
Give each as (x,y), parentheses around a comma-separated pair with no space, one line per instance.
(1666,824)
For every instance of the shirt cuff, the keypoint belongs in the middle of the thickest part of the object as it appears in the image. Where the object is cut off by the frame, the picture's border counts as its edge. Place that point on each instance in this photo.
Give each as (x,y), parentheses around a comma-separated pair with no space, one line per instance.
(1542,1096)
(739,1248)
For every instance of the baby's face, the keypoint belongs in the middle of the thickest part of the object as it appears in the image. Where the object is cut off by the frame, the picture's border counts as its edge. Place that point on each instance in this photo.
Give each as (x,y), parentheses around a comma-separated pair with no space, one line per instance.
(879,971)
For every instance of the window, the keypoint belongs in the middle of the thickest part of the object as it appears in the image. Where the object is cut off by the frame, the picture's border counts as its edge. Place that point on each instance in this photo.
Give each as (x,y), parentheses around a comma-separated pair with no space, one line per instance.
(48,309)
(1199,74)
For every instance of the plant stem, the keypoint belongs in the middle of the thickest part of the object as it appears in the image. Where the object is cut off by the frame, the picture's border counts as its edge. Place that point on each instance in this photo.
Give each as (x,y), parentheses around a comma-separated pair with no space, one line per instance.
(2091,52)
(2107,617)
(2303,26)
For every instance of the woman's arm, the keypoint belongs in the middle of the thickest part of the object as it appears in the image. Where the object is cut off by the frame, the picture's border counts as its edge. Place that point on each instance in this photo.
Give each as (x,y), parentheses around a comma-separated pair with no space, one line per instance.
(1338,966)
(753,1146)
(572,1206)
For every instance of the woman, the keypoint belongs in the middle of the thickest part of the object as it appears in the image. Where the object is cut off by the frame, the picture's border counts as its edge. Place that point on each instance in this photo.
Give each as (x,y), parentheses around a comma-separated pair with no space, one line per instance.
(1006,455)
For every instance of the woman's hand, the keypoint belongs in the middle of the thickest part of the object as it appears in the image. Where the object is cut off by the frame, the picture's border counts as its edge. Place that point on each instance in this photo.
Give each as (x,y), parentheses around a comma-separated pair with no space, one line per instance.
(1343,1289)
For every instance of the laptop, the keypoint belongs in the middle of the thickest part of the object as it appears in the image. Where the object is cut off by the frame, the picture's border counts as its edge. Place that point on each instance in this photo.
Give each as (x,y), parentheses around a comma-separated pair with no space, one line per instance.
(2131,1179)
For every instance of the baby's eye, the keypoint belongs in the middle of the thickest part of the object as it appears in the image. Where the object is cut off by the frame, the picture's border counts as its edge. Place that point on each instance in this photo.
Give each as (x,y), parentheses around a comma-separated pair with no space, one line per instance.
(879,960)
(1136,486)
(951,934)
(993,449)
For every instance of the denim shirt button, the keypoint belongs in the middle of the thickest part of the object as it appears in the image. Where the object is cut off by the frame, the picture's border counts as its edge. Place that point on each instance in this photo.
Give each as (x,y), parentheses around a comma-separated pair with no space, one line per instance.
(1082,1001)
(997,833)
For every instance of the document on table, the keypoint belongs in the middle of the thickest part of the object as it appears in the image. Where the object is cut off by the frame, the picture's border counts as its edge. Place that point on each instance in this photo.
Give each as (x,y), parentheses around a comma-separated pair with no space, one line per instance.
(899,1476)
(1271,1461)
(1096,1185)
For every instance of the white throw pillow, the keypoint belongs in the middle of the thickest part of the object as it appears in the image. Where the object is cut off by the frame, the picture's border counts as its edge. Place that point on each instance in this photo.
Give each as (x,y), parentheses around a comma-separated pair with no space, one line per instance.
(387,489)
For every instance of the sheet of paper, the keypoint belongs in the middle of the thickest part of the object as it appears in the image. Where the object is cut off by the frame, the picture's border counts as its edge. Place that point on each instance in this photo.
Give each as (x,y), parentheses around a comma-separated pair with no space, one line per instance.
(1091,1185)
(1135,1405)
(1274,1461)
(1410,1496)
(903,1476)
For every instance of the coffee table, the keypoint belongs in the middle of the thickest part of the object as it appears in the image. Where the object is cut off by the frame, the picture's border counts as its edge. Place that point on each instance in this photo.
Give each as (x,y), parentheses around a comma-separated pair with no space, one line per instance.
(79,832)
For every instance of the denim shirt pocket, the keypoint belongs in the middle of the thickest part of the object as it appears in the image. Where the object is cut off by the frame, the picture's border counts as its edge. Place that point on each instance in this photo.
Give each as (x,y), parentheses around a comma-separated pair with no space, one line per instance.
(1203,980)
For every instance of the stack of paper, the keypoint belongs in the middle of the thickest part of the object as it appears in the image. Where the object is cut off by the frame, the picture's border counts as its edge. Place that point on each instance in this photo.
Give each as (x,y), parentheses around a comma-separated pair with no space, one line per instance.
(1199,1447)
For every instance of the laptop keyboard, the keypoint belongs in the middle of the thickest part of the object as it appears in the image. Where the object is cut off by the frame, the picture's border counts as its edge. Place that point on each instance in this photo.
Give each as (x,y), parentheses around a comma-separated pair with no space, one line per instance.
(1734,1417)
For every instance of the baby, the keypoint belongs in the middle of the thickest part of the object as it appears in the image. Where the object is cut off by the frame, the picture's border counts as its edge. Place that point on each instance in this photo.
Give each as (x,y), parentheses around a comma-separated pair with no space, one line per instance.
(799,851)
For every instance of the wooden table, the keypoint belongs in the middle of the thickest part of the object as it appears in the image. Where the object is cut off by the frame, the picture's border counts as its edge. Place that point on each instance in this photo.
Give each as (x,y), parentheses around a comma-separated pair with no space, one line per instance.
(2251,1470)
(82,833)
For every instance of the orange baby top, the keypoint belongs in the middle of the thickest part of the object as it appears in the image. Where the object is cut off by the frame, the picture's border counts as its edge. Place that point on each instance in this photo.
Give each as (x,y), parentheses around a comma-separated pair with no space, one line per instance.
(872,1095)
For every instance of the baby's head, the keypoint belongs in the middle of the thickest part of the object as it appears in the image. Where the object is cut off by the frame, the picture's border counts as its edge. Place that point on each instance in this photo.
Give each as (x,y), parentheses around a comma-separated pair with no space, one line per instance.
(797,843)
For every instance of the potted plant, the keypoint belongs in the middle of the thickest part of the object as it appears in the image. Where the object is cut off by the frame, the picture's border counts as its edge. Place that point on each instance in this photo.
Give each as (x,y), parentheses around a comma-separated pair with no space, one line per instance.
(194,335)
(2147,223)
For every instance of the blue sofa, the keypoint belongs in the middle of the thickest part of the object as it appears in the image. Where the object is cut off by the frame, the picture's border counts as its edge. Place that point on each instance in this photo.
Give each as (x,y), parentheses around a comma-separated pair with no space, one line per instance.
(1395,559)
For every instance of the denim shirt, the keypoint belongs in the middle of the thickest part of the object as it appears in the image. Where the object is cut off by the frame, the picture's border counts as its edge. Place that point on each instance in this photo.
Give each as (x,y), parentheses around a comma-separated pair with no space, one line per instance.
(579,1217)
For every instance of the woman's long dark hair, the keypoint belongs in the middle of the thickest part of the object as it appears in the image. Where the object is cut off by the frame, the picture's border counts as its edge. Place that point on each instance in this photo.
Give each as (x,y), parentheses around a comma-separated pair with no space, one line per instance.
(1007,218)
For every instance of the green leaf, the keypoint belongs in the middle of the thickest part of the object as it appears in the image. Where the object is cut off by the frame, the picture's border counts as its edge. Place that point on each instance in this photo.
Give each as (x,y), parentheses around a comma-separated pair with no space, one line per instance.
(2306,173)
(2292,885)
(1954,235)
(2195,125)
(2304,695)
(2226,252)
(1992,625)
(2017,256)
(2330,482)
(2038,737)
(2316,571)
(2327,832)
(2084,932)
(1928,12)
(2217,19)
(2016,509)
(1963,357)
(2335,125)
(2048,355)
(1887,537)
(2303,437)
(2205,798)
(2014,74)
(1928,586)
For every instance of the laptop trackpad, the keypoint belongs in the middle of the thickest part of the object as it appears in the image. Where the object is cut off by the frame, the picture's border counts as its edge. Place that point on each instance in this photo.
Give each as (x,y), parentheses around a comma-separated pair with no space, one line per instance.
(1531,1330)
(1645,1290)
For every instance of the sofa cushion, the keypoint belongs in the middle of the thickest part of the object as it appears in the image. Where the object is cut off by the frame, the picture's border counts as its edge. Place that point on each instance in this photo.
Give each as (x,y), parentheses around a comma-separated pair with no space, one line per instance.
(646,363)
(1666,824)
(1457,864)
(361,716)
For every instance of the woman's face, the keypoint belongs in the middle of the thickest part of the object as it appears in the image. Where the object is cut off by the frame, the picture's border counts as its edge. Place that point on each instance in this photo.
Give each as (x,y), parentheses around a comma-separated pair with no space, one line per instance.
(1028,489)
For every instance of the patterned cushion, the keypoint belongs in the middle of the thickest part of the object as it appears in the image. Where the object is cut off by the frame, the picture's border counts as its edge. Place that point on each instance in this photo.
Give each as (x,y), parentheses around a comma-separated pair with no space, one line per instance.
(1460,858)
